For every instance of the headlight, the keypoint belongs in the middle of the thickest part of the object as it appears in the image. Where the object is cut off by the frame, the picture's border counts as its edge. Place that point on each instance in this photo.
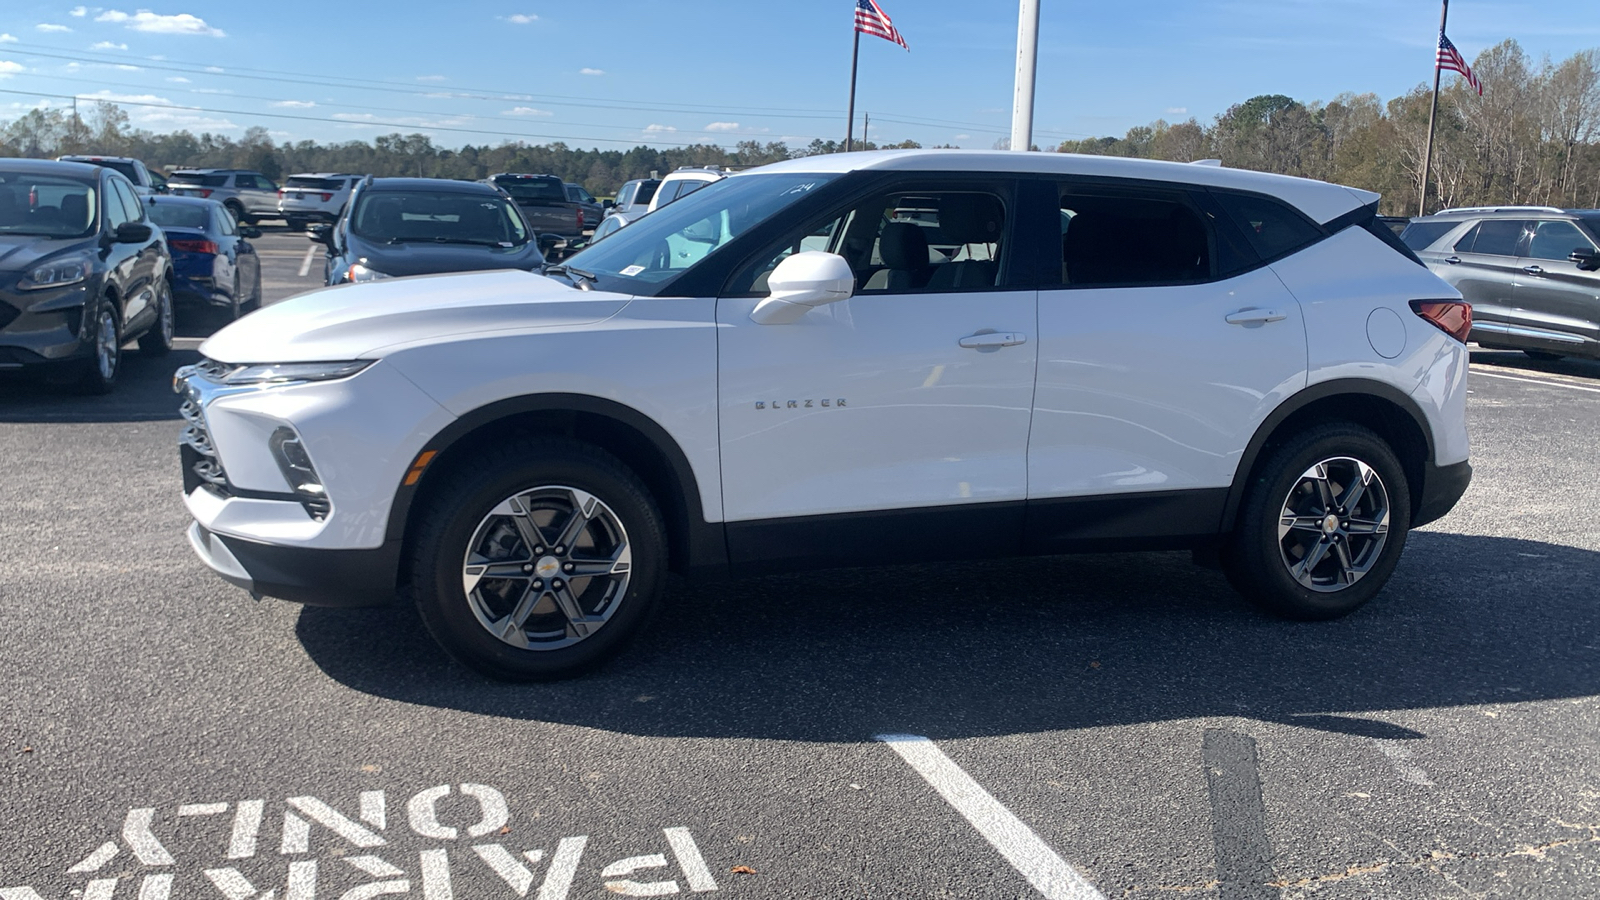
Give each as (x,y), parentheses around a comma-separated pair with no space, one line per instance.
(59,273)
(275,373)
(362,272)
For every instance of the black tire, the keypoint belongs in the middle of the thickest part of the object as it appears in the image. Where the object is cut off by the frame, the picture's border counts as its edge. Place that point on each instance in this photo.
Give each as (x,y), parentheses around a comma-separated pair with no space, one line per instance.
(254,303)
(458,516)
(1544,355)
(99,371)
(158,340)
(237,209)
(1262,563)
(236,302)
(296,224)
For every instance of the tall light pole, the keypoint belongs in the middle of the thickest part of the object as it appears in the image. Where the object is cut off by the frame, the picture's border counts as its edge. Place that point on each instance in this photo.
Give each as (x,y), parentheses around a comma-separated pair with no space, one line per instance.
(1027,73)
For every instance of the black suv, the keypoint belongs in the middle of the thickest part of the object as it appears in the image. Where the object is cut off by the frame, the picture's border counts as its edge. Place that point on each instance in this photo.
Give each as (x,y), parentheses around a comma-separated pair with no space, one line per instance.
(1531,273)
(82,271)
(425,226)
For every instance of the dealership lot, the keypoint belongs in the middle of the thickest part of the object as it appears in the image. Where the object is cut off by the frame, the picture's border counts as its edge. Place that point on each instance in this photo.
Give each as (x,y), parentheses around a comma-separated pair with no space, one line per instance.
(1121,722)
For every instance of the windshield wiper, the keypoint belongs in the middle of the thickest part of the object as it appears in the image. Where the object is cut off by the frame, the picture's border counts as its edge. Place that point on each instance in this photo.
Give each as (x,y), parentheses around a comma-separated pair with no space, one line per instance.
(582,282)
(450,240)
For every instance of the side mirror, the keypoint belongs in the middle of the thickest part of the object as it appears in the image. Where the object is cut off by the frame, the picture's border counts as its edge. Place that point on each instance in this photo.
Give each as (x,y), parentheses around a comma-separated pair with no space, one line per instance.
(320,233)
(132,233)
(1587,260)
(803,282)
(549,242)
(609,204)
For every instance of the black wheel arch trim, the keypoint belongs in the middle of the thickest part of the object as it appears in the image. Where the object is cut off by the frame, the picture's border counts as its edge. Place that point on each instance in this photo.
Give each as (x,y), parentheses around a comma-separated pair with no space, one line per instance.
(699,546)
(1338,387)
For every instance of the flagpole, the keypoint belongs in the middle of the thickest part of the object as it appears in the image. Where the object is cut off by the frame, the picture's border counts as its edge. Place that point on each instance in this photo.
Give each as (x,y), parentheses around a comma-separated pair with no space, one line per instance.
(1427,157)
(850,126)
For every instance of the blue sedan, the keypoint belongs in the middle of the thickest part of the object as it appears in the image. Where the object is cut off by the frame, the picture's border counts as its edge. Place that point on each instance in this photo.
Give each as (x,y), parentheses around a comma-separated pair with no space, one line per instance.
(212,261)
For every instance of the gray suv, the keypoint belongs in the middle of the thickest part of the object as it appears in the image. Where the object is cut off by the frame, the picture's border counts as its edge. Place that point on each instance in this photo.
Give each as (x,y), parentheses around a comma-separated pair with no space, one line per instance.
(1531,273)
(250,196)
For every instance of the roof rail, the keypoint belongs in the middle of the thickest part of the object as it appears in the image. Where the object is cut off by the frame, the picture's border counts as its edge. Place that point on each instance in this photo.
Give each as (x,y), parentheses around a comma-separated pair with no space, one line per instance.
(1488,209)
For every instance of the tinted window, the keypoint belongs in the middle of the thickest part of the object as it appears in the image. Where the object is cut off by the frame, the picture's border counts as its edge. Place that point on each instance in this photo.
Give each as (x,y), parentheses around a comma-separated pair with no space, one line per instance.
(178,215)
(197,179)
(1496,237)
(647,189)
(442,216)
(1557,240)
(46,205)
(1127,240)
(1419,235)
(303,183)
(1272,228)
(525,187)
(116,208)
(125,167)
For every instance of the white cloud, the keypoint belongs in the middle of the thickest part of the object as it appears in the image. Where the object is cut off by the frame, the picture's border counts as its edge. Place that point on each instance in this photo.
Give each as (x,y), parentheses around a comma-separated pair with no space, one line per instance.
(127,68)
(723,126)
(107,45)
(522,19)
(48,28)
(215,70)
(79,12)
(527,111)
(9,68)
(178,79)
(8,39)
(963,137)
(432,78)
(72,66)
(587,71)
(155,23)
(213,91)
(659,129)
(295,104)
(1177,110)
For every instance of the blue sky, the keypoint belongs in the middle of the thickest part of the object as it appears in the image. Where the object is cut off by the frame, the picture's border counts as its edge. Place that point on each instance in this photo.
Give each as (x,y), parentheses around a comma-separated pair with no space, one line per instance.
(615,73)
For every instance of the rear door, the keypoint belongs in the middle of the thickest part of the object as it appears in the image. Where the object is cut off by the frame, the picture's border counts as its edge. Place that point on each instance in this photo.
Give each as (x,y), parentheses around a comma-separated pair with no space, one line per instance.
(1552,294)
(1483,265)
(259,196)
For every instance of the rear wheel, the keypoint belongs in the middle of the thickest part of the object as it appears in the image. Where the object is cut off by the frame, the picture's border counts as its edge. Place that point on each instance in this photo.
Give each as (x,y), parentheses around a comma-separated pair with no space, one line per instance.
(1322,525)
(237,209)
(537,559)
(1544,355)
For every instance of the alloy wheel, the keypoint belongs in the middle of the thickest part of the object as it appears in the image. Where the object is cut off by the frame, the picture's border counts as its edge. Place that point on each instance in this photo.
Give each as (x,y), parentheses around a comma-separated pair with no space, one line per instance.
(1334,524)
(107,348)
(547,568)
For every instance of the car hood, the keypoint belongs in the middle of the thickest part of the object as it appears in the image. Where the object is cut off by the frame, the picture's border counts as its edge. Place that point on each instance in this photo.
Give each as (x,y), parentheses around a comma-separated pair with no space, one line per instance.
(360,321)
(20,252)
(420,258)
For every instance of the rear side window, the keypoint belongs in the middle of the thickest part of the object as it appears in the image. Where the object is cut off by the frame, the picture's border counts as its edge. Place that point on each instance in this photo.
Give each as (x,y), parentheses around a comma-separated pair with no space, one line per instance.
(1421,235)
(1271,227)
(1124,241)
(191,179)
(1495,237)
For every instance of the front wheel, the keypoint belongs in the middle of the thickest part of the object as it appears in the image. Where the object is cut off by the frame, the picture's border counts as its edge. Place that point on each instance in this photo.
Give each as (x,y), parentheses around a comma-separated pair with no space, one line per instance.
(99,374)
(1322,525)
(537,559)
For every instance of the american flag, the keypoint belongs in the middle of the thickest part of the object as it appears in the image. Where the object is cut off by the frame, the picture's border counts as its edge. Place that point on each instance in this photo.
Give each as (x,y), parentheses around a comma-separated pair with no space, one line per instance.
(871,19)
(1450,61)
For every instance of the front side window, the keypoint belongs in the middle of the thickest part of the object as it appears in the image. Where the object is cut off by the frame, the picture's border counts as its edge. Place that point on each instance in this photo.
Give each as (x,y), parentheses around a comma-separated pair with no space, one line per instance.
(1557,240)
(46,206)
(625,196)
(1494,237)
(129,199)
(445,217)
(1123,240)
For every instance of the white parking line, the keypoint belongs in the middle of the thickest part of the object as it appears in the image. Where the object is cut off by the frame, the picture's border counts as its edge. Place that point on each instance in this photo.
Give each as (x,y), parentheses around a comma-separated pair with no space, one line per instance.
(1548,382)
(1046,871)
(305,264)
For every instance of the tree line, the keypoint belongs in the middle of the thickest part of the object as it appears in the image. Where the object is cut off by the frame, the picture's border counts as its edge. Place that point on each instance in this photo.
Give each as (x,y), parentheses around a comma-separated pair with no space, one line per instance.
(1532,138)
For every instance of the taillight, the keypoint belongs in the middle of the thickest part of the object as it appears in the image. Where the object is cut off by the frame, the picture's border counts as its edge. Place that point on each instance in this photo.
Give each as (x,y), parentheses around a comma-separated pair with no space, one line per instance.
(326,197)
(281,192)
(580,217)
(1453,317)
(194,246)
(205,192)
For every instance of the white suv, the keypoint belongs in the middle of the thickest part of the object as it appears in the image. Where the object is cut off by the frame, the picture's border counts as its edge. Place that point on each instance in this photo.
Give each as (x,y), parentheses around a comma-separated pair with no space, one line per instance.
(845,360)
(684,181)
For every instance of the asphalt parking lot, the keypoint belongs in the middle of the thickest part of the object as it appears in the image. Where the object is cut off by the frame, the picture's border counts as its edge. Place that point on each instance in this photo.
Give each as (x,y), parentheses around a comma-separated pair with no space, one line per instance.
(1123,726)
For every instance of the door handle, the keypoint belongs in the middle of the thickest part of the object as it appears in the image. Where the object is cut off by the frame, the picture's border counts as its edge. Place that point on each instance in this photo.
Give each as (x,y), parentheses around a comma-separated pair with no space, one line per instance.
(990,340)
(1254,317)
(1452,260)
(1533,270)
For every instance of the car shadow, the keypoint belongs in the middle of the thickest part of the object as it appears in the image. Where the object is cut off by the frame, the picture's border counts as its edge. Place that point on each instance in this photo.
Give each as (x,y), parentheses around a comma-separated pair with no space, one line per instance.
(1025,646)
(1516,359)
(143,393)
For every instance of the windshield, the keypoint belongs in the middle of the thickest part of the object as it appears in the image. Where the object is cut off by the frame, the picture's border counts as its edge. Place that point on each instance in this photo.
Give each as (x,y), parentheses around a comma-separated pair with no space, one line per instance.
(668,241)
(443,216)
(178,215)
(46,206)
(523,187)
(1591,221)
(123,166)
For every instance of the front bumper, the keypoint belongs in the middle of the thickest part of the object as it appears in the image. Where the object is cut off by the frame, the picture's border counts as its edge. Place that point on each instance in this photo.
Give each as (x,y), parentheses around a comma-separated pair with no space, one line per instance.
(300,574)
(1442,488)
(43,328)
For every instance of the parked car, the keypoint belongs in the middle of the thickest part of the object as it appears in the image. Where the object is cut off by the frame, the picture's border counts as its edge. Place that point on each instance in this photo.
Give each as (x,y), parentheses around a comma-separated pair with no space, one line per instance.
(145,180)
(1531,273)
(315,197)
(250,196)
(592,210)
(685,181)
(608,226)
(1246,365)
(424,226)
(82,271)
(543,202)
(633,198)
(213,262)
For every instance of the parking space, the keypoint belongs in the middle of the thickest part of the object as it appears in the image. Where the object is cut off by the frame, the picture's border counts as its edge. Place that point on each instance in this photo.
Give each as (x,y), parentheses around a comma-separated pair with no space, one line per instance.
(1118,726)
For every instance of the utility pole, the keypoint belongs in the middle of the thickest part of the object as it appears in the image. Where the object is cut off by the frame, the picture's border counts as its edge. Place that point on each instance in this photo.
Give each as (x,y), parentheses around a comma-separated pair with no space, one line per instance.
(1427,156)
(1027,73)
(866,125)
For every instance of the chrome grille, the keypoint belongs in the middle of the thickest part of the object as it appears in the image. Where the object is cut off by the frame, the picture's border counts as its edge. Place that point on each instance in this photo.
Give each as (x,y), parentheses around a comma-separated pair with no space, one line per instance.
(201,465)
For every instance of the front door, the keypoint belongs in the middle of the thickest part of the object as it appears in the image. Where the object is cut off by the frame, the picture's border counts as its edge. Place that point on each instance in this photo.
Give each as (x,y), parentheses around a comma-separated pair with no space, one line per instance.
(1553,295)
(906,406)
